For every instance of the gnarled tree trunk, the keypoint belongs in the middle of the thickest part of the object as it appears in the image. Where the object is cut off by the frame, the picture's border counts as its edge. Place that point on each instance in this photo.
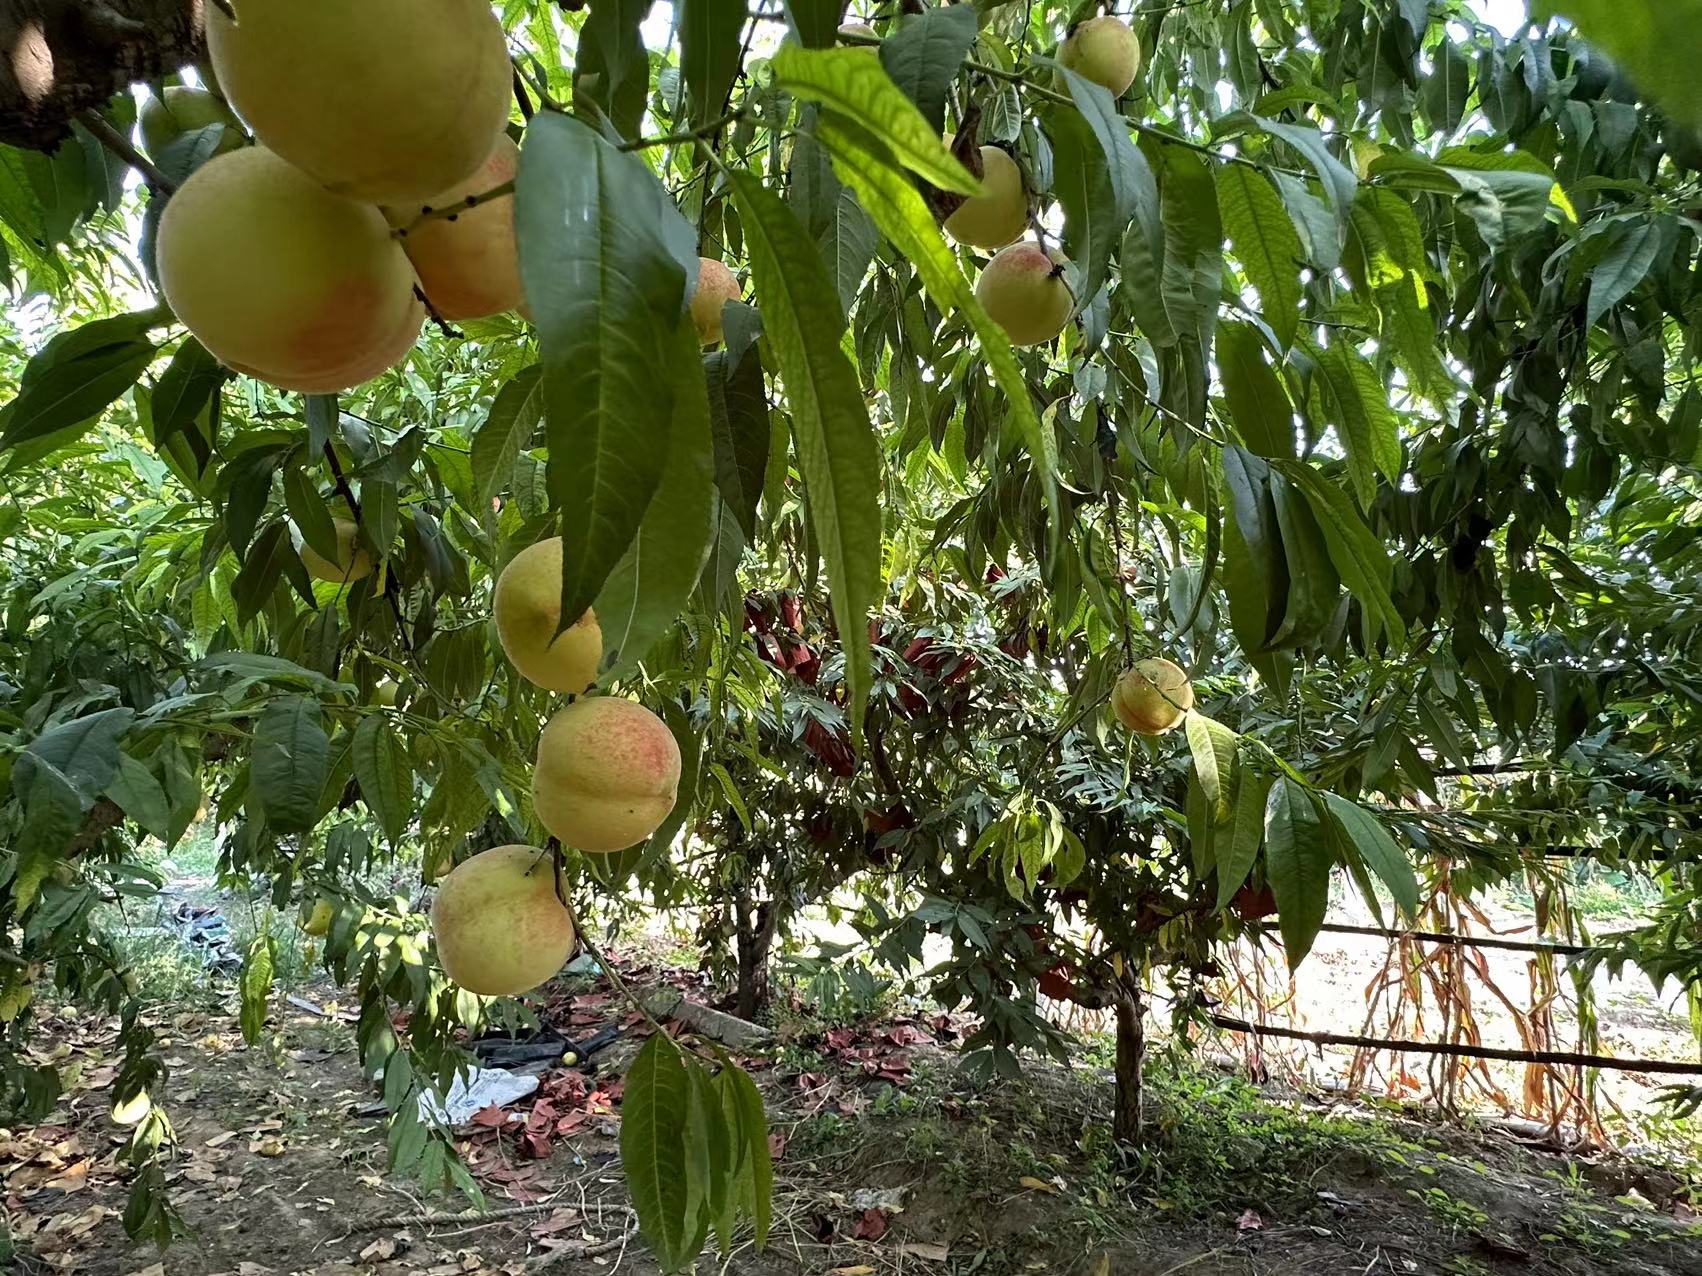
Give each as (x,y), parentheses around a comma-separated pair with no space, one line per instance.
(754,937)
(1131,1052)
(60,57)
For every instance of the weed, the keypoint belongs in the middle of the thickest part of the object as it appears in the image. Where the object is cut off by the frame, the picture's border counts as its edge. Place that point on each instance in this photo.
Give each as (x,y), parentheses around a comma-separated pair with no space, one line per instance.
(1456,1215)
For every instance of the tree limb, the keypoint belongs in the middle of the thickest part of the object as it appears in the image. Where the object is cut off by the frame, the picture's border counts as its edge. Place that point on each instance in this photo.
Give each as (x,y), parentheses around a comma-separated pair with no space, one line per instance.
(59,58)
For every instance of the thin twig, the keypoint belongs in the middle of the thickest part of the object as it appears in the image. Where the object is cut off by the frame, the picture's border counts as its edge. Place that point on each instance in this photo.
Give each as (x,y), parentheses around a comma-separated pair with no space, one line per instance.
(687,135)
(418,1219)
(568,1253)
(119,145)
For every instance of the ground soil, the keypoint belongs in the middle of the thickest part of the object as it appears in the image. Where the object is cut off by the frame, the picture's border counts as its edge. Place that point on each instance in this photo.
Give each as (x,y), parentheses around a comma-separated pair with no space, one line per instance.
(891,1159)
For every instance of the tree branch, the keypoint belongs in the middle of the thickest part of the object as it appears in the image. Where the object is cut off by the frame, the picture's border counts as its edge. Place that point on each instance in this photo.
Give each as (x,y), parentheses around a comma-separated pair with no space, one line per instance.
(59,58)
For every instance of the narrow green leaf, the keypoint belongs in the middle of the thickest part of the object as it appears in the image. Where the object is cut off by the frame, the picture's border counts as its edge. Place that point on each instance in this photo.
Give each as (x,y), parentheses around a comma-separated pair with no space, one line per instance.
(1214,747)
(1313,584)
(309,512)
(385,774)
(1202,827)
(1377,849)
(606,290)
(1444,92)
(648,588)
(1255,565)
(1192,274)
(1361,558)
(141,797)
(924,55)
(513,419)
(1265,243)
(1357,404)
(654,1114)
(1101,178)
(814,22)
(738,415)
(834,442)
(184,388)
(755,1128)
(709,52)
(1635,244)
(73,378)
(856,86)
(706,1152)
(288,763)
(1081,182)
(611,68)
(1297,863)
(1654,39)
(1258,403)
(1246,835)
(255,986)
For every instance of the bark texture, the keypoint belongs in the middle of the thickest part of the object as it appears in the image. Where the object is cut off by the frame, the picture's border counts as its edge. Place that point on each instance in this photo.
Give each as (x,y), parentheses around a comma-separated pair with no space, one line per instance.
(59,57)
(1131,1052)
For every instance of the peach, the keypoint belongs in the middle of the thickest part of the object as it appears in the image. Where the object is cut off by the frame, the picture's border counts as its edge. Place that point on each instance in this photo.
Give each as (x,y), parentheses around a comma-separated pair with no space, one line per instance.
(468,266)
(716,286)
(999,214)
(384,100)
(283,280)
(182,110)
(499,925)
(1023,290)
(607,774)
(528,616)
(1105,51)
(1153,697)
(354,561)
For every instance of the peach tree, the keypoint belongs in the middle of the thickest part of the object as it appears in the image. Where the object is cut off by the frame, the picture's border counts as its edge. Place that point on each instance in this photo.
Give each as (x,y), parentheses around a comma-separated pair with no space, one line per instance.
(1340,353)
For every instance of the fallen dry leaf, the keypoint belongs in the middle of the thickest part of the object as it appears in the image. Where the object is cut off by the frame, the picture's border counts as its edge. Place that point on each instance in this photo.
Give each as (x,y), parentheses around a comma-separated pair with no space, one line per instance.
(379,1250)
(74,1179)
(925,1250)
(861,1269)
(219,1140)
(1037,1185)
(870,1226)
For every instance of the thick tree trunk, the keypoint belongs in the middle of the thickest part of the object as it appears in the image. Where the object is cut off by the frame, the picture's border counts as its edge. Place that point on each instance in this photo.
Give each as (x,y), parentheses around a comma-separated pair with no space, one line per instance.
(1131,1051)
(59,57)
(755,939)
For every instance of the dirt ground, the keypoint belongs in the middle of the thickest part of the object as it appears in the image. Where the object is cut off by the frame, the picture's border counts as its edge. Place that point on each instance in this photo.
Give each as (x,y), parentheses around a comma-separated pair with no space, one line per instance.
(889,1159)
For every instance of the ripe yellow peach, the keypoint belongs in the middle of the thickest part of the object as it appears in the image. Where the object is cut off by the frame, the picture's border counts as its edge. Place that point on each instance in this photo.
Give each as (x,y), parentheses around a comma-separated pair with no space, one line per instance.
(607,774)
(499,925)
(1024,292)
(384,100)
(1105,51)
(283,280)
(468,266)
(1153,697)
(528,614)
(999,214)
